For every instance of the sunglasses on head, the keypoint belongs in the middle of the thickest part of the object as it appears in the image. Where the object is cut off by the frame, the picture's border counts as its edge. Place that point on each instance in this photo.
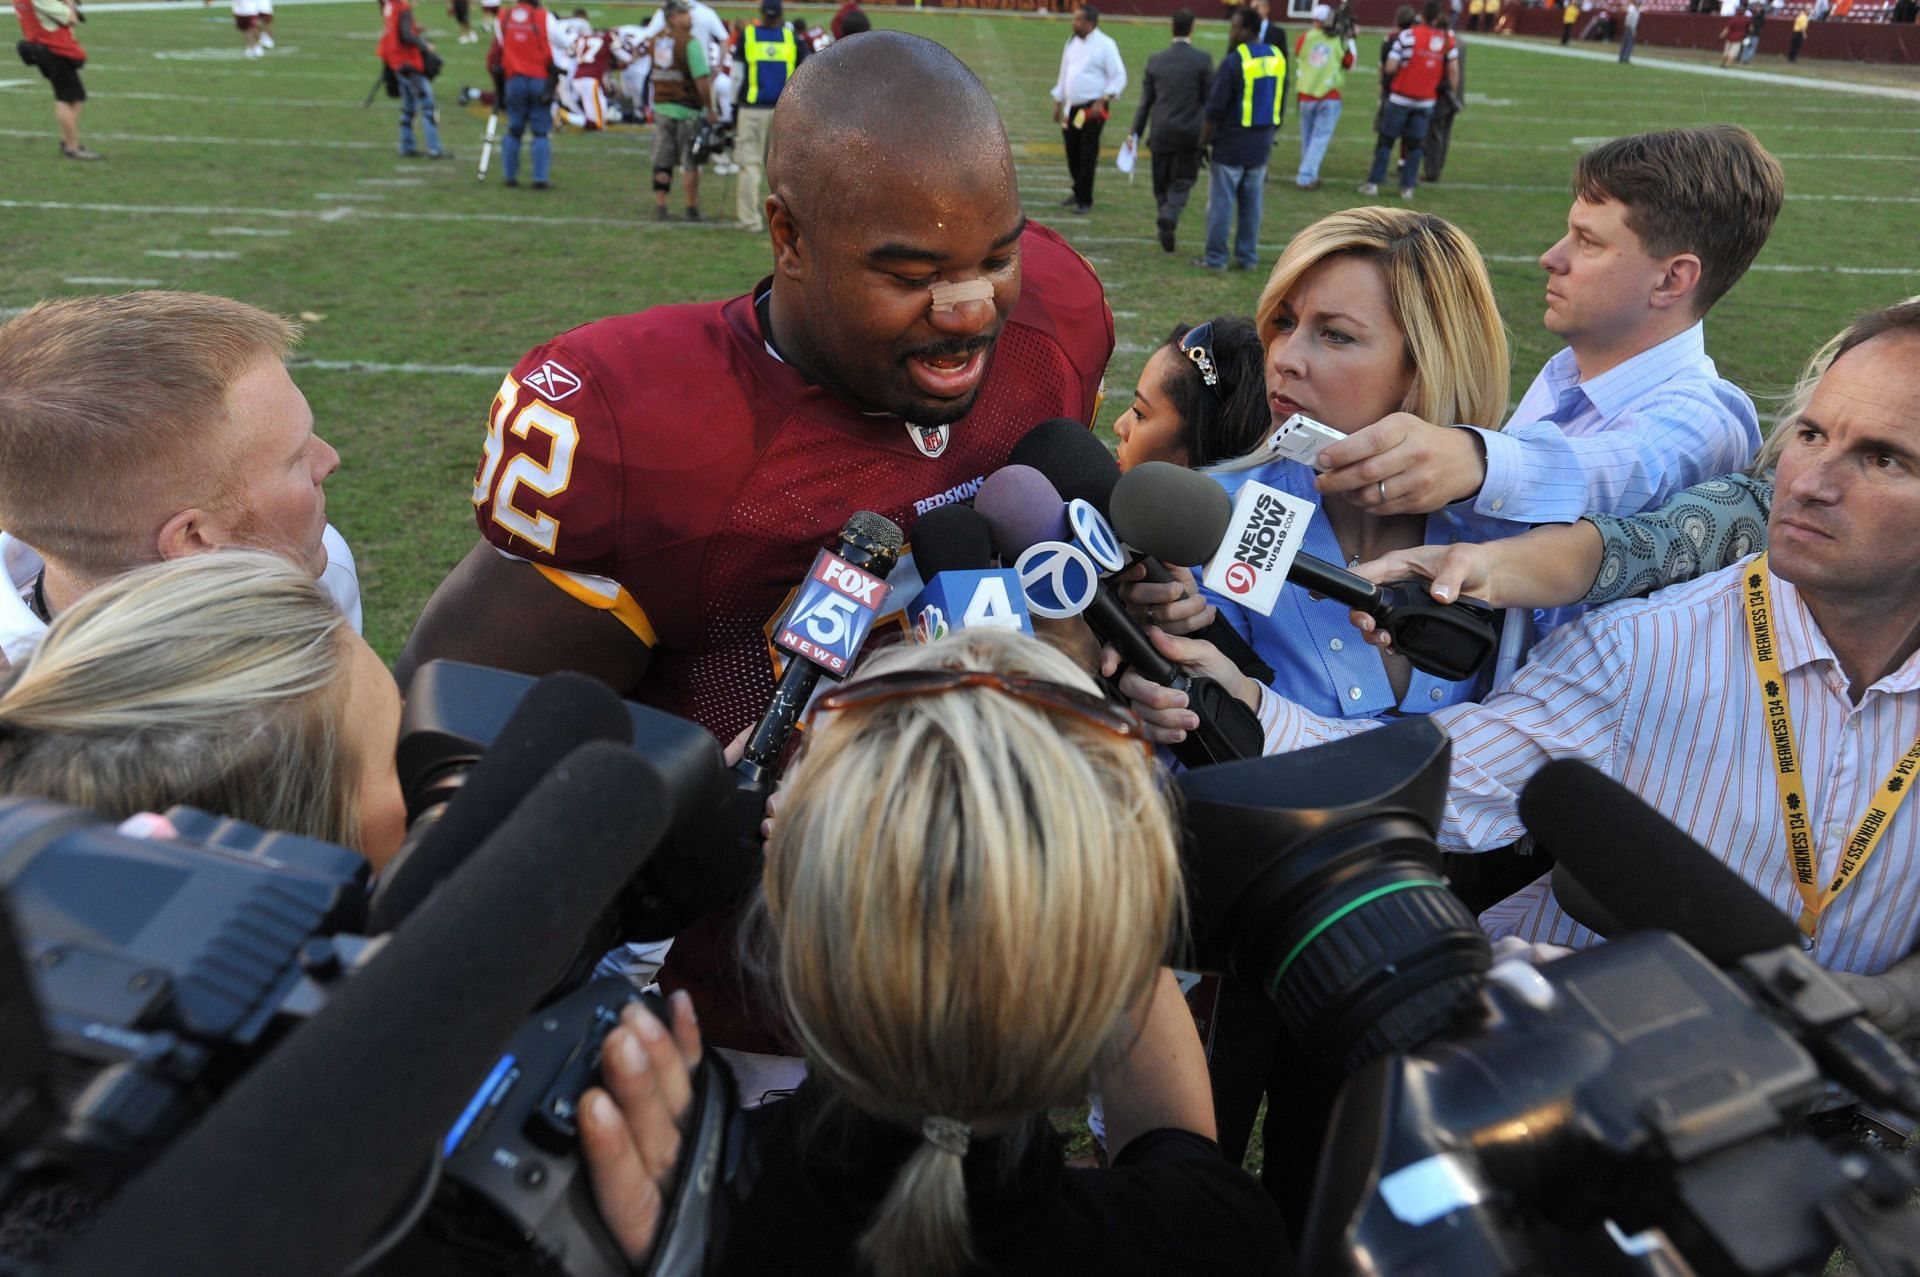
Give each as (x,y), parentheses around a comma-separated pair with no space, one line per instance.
(1055,698)
(1197,346)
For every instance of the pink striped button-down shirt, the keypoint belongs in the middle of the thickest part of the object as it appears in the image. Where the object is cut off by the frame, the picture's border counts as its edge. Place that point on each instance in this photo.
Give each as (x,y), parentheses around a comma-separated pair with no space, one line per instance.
(1660,695)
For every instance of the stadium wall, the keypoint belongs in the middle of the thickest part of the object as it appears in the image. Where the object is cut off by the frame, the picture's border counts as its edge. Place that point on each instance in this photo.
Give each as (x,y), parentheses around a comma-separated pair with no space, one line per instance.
(1835,41)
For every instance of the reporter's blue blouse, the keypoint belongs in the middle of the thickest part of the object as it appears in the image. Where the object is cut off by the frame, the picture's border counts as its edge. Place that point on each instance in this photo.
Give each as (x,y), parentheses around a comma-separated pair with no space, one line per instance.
(1320,661)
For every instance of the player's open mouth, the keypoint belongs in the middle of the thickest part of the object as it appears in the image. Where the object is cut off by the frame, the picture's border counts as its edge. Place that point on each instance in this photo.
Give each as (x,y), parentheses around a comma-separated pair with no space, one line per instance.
(947,376)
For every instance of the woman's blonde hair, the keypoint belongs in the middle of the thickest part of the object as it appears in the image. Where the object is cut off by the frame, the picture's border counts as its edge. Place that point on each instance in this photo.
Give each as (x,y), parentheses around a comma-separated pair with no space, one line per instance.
(217,681)
(1902,316)
(967,892)
(1438,289)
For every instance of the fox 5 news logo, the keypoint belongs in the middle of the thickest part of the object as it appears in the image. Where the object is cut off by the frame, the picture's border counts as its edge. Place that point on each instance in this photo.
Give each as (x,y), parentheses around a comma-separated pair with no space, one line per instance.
(833,613)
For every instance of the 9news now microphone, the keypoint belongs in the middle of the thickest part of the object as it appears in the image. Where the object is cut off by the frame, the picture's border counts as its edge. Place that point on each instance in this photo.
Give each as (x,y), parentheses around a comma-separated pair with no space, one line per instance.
(1064,549)
(1251,547)
(965,586)
(823,630)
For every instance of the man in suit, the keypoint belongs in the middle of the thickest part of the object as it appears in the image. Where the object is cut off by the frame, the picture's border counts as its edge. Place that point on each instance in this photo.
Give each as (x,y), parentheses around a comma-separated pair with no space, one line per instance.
(1171,103)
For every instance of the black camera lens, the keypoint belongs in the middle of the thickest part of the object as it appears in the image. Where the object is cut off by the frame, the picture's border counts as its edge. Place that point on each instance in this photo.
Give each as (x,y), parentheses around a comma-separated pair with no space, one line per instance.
(1315,875)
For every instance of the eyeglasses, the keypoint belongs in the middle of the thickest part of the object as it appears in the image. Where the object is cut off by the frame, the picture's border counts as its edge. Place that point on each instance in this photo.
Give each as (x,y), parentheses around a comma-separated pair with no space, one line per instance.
(1197,346)
(1053,697)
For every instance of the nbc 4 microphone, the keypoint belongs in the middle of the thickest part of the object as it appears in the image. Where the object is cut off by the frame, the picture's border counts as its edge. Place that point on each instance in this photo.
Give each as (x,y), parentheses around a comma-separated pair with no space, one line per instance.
(965,586)
(1250,546)
(1063,550)
(823,630)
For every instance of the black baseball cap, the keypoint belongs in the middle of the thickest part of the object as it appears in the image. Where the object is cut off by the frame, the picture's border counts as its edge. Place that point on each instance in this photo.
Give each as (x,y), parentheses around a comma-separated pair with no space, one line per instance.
(771,8)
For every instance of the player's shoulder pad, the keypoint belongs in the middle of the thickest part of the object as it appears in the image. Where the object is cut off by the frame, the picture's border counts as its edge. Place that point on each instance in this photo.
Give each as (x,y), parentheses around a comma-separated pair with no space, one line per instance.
(1061,296)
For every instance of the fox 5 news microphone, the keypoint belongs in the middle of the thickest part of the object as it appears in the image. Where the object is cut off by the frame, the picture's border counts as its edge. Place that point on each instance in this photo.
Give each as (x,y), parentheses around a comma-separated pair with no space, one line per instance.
(1064,549)
(965,586)
(1251,547)
(823,630)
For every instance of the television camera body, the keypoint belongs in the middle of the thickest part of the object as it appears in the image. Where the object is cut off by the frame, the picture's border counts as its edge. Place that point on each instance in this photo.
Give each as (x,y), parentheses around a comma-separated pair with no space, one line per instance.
(1634,1108)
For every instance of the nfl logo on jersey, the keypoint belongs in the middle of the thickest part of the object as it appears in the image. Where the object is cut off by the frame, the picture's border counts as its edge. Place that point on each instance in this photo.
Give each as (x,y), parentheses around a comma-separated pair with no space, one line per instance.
(831,616)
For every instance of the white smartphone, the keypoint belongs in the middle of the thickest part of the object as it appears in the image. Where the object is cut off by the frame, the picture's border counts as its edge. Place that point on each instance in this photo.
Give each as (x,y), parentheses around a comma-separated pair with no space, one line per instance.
(1301,438)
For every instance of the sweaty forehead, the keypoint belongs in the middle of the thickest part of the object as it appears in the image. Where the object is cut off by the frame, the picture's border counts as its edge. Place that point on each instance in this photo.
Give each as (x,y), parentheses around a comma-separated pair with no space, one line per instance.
(883,192)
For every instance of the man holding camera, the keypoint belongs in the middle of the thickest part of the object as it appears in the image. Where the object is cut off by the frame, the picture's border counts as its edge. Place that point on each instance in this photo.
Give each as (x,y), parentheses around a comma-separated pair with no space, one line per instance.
(527,37)
(682,100)
(407,55)
(47,44)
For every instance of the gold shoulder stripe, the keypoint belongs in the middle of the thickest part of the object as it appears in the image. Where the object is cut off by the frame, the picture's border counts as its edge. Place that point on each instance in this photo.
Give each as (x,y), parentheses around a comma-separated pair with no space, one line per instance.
(608,596)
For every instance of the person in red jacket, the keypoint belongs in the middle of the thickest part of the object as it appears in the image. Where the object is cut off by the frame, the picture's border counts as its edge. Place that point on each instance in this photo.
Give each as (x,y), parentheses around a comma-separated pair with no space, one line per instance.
(404,50)
(46,42)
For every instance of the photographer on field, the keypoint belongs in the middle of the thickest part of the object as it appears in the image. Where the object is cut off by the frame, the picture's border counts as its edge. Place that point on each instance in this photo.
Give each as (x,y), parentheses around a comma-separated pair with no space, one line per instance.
(47,44)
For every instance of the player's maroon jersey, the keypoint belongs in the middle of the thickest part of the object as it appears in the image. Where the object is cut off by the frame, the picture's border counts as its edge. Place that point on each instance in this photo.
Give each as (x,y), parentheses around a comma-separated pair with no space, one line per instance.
(673,456)
(593,54)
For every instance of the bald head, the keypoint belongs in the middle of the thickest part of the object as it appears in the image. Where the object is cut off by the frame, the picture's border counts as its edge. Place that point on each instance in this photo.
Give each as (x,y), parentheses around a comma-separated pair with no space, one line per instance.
(866,114)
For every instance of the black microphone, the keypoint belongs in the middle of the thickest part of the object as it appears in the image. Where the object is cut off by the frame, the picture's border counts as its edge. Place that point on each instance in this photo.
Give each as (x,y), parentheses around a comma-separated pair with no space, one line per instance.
(952,538)
(1166,510)
(869,542)
(1646,872)
(1228,729)
(558,714)
(1079,465)
(297,1166)
(1642,869)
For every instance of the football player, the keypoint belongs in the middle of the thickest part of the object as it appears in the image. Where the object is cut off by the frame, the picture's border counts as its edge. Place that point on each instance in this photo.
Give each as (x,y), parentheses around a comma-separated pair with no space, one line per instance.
(653,486)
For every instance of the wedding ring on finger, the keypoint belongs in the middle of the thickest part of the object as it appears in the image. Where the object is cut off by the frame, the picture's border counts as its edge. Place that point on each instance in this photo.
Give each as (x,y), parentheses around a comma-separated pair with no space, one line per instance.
(1382,485)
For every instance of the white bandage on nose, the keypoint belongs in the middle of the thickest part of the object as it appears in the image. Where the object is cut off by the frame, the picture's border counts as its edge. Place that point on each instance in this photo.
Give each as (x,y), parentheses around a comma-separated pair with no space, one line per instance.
(947,297)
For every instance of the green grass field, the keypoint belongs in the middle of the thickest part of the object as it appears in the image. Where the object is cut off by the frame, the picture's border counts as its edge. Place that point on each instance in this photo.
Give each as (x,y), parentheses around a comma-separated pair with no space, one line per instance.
(266,180)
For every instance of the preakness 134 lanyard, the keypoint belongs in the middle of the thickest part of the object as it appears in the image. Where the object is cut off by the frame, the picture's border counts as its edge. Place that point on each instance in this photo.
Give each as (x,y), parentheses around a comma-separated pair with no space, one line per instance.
(1786,766)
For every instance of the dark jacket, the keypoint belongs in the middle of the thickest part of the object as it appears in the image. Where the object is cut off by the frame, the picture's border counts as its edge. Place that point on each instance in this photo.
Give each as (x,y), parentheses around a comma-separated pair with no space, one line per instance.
(1232,144)
(1174,94)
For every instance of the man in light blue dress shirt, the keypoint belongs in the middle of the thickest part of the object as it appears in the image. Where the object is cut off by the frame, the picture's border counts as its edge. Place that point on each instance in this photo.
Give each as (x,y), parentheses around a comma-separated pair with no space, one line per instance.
(1633,410)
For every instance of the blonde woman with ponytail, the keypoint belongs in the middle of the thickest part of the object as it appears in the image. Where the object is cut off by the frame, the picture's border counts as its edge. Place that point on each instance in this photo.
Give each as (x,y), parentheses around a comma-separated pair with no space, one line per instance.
(969,894)
(227,681)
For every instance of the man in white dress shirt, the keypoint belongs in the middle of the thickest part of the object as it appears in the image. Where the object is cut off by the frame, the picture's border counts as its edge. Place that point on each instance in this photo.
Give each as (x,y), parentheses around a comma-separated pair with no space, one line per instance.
(149,426)
(1091,77)
(1770,710)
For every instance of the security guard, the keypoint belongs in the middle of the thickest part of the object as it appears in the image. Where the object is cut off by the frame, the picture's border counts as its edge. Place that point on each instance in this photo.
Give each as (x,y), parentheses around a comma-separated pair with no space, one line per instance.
(1244,109)
(770,51)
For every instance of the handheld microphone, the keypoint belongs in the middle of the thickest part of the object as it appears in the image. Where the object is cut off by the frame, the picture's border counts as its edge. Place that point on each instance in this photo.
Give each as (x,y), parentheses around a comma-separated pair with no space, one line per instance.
(1025,505)
(559,713)
(823,630)
(308,1154)
(965,586)
(1166,510)
(1080,466)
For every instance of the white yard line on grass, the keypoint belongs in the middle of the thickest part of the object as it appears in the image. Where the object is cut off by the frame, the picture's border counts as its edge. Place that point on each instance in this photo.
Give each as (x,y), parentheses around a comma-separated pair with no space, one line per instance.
(363,366)
(1723,73)
(195,254)
(175,139)
(109,281)
(250,231)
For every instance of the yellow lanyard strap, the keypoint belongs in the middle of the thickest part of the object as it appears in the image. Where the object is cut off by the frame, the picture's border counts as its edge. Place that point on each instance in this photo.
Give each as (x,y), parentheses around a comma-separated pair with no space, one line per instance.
(1786,766)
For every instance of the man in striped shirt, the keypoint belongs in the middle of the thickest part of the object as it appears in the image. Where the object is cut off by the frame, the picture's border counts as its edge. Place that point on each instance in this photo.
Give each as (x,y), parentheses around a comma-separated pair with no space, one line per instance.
(1688,698)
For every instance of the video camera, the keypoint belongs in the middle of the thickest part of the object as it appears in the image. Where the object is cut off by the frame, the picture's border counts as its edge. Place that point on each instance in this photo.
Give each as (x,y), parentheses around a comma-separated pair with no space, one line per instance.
(1634,1108)
(1631,1108)
(230,1009)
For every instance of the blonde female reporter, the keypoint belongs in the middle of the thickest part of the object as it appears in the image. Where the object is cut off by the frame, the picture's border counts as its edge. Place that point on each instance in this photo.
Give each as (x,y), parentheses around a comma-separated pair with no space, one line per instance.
(971,888)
